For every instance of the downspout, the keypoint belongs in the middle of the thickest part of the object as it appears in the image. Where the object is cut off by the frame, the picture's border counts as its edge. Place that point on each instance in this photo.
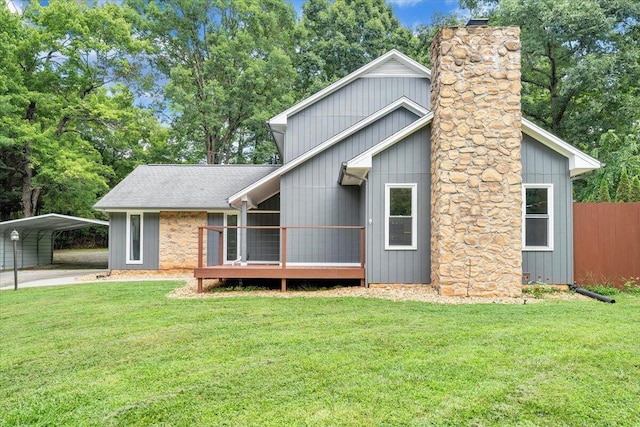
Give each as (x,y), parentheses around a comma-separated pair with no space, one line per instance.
(590,294)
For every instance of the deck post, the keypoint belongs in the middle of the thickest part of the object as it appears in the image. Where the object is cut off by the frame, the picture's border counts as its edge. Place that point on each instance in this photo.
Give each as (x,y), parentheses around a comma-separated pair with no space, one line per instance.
(200,246)
(283,249)
(362,254)
(221,247)
(200,286)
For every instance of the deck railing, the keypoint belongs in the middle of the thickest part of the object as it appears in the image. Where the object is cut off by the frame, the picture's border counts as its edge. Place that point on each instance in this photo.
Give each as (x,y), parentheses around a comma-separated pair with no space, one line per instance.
(284,232)
(325,249)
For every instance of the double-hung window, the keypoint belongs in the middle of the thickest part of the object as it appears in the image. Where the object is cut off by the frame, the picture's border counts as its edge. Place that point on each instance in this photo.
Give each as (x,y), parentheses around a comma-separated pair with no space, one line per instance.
(134,238)
(537,211)
(401,202)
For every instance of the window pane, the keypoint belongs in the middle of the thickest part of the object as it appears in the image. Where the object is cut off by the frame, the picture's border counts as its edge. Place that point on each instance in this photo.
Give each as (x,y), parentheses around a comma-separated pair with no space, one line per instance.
(400,201)
(134,237)
(400,231)
(537,232)
(232,238)
(537,201)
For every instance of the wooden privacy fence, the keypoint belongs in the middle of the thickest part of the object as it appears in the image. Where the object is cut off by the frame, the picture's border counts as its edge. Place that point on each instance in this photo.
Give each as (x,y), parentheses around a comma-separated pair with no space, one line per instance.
(606,240)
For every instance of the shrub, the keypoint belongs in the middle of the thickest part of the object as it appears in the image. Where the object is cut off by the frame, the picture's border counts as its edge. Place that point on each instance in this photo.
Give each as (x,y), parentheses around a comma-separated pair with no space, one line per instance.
(632,286)
(603,289)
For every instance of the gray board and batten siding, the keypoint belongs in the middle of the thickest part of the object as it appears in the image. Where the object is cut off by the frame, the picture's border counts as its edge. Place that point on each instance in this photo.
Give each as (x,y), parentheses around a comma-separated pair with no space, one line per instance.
(213,254)
(541,165)
(118,241)
(347,106)
(310,195)
(406,162)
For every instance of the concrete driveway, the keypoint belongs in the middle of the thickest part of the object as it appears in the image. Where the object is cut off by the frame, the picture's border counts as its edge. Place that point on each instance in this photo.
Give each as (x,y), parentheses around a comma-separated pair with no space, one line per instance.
(67,267)
(48,277)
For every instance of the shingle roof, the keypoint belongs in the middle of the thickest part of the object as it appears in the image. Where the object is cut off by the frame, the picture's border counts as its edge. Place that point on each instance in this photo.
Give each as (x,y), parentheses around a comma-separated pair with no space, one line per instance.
(187,187)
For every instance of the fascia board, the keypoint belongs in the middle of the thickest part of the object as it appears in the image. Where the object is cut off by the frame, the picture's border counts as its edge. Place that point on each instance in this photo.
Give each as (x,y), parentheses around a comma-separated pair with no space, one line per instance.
(401,102)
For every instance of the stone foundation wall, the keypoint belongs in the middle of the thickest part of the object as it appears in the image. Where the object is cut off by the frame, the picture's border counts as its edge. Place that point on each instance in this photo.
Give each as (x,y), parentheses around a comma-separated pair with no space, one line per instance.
(179,239)
(475,160)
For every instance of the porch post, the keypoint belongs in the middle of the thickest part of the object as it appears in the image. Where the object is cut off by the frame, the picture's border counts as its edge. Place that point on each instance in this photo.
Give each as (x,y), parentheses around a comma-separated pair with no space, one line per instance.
(243,232)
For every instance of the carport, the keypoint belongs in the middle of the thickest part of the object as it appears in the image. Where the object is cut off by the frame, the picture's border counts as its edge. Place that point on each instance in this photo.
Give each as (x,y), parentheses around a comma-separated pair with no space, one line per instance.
(36,238)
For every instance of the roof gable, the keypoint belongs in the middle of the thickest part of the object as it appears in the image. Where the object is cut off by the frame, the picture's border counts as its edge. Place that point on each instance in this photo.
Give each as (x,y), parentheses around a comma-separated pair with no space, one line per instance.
(391,64)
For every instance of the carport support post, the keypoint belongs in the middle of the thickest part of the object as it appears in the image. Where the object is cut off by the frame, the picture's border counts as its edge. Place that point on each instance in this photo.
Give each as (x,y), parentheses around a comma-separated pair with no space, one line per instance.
(15,236)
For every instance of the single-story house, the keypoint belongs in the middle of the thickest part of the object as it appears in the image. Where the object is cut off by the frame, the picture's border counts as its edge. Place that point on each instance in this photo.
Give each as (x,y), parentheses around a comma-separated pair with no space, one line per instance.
(393,174)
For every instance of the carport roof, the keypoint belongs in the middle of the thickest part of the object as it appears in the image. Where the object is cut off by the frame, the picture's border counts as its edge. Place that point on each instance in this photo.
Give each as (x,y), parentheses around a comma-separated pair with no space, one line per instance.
(50,222)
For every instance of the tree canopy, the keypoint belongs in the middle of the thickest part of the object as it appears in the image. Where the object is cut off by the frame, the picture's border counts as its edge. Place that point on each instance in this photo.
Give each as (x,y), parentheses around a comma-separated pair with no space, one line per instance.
(59,96)
(90,90)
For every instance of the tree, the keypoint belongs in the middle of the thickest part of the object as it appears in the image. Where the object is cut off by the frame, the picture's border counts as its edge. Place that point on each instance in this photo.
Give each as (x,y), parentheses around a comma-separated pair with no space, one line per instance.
(226,68)
(424,34)
(59,68)
(575,64)
(337,38)
(624,188)
(619,153)
(634,193)
(603,192)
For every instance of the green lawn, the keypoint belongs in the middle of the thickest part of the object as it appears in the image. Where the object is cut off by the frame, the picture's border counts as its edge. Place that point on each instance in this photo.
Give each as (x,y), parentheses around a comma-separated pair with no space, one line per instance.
(124,354)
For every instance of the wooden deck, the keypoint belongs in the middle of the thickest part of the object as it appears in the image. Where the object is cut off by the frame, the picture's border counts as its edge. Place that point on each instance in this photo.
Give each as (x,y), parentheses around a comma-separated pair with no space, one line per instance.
(282,270)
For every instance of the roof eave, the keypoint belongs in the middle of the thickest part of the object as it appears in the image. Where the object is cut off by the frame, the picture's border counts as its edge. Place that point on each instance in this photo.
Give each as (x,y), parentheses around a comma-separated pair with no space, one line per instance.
(579,161)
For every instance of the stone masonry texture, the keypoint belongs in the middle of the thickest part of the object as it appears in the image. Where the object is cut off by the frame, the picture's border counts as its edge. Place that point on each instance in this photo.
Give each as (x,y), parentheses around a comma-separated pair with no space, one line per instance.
(179,239)
(476,200)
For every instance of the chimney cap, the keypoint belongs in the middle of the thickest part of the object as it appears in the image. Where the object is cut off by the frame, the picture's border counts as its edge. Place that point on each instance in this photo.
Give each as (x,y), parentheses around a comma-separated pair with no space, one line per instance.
(478,22)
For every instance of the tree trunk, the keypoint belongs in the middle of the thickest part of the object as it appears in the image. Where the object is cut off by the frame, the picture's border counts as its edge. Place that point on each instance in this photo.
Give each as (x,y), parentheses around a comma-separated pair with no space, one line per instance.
(30,195)
(211,150)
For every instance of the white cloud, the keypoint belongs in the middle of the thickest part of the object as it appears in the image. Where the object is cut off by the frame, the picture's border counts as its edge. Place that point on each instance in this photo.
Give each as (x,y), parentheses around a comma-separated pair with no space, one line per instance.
(405,3)
(15,6)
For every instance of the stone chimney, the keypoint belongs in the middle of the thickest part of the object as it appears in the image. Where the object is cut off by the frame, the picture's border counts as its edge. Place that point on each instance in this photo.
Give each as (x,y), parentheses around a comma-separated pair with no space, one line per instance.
(476,199)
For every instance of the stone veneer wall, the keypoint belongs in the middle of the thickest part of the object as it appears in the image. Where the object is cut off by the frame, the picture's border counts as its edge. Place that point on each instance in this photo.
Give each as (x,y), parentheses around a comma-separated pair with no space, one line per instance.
(179,239)
(476,194)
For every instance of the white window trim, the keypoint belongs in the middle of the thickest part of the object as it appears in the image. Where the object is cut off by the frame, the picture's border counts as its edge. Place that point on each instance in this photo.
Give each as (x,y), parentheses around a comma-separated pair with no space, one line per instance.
(414,216)
(550,207)
(128,237)
(224,237)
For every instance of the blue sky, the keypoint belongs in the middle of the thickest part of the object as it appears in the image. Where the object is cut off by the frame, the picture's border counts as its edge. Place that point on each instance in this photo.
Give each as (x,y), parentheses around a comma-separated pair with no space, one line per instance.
(413,12)
(410,12)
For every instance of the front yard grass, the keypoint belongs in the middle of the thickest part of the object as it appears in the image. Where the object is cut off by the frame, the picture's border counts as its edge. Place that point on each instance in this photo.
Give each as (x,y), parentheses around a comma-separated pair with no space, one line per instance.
(124,354)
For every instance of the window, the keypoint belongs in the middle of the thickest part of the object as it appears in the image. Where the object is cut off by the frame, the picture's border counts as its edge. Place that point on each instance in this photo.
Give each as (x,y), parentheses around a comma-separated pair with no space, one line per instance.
(400,216)
(134,238)
(231,236)
(537,211)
